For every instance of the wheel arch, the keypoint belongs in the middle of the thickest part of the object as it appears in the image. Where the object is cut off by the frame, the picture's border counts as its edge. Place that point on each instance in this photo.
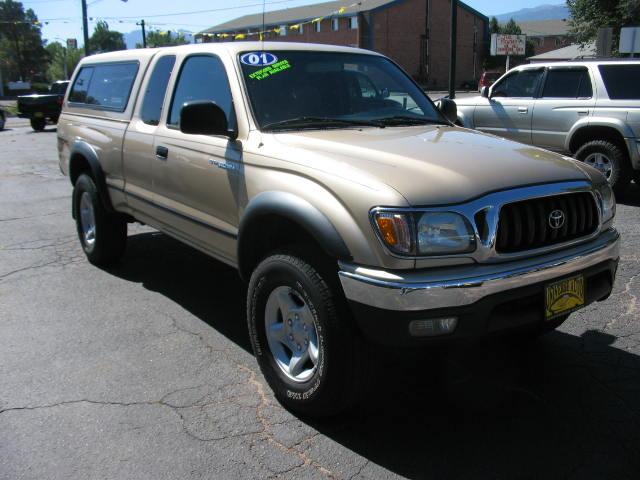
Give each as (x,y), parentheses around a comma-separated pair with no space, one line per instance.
(271,216)
(83,158)
(596,131)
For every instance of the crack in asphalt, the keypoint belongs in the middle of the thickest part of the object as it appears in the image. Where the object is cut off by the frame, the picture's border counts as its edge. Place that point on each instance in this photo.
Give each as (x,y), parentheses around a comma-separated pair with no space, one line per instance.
(632,307)
(18,246)
(264,403)
(13,219)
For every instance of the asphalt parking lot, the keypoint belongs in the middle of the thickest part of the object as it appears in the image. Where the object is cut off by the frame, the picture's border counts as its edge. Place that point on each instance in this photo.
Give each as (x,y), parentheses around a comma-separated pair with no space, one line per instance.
(144,371)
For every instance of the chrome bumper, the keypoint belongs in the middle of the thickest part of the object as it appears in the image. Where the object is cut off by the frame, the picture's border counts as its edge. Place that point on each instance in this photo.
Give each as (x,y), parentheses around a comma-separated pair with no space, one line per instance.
(463,285)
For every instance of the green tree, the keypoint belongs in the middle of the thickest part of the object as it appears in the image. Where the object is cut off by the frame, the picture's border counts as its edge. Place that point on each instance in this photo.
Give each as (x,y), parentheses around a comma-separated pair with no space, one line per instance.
(494,25)
(105,40)
(587,16)
(22,54)
(60,55)
(157,38)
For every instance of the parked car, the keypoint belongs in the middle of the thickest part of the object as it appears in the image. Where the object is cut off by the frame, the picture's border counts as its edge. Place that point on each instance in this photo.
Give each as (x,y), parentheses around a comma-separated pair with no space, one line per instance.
(359,215)
(3,119)
(488,78)
(40,108)
(587,109)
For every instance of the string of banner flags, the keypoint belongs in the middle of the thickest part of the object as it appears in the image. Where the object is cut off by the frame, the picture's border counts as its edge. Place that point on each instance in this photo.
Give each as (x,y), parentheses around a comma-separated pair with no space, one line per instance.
(236,36)
(276,30)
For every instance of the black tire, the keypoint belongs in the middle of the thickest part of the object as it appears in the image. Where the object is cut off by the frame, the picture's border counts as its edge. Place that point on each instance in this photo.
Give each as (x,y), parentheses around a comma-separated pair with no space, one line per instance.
(341,371)
(110,232)
(621,167)
(2,121)
(38,124)
(636,177)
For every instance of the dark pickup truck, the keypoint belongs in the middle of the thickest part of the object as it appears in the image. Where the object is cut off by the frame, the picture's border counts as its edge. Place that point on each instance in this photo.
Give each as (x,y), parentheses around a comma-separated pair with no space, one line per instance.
(42,107)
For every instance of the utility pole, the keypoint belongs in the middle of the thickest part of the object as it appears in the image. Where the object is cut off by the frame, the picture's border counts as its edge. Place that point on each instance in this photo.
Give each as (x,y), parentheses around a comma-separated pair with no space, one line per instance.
(452,52)
(66,72)
(85,28)
(144,35)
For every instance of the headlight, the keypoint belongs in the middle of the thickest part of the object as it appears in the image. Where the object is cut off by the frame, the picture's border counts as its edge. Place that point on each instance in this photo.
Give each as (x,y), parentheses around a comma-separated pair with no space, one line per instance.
(444,233)
(607,202)
(424,233)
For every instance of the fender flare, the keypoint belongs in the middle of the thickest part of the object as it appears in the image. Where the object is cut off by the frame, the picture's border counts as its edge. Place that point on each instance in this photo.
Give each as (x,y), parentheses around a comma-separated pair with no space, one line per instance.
(615,124)
(86,151)
(299,211)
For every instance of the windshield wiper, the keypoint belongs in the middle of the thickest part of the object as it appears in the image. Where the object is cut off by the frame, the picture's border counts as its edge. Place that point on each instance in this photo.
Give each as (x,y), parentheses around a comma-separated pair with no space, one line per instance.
(319,122)
(408,120)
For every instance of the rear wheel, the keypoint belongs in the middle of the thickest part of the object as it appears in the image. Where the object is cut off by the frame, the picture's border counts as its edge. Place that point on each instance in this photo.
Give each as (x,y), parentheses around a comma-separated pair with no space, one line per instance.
(610,160)
(103,235)
(38,124)
(2,121)
(304,341)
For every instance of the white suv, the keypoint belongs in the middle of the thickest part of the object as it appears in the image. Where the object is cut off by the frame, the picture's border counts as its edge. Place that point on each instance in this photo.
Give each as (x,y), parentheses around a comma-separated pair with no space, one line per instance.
(588,109)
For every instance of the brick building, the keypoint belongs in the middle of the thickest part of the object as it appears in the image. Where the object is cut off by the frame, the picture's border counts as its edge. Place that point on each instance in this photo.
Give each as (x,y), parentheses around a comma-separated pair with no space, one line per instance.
(547,35)
(414,33)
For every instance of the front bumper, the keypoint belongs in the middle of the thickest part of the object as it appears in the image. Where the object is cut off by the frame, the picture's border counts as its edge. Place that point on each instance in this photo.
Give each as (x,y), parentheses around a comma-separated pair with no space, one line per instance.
(385,302)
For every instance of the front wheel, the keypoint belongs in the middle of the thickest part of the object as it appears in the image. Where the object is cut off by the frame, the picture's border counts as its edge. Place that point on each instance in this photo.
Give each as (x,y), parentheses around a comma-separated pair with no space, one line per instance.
(103,235)
(304,341)
(610,159)
(38,124)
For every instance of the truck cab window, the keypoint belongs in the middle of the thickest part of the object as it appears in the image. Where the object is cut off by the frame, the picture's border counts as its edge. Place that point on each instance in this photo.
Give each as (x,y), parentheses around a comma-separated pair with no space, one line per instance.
(156,89)
(203,77)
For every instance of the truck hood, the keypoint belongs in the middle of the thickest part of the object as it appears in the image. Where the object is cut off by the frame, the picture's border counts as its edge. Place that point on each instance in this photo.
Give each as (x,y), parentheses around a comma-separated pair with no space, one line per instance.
(428,165)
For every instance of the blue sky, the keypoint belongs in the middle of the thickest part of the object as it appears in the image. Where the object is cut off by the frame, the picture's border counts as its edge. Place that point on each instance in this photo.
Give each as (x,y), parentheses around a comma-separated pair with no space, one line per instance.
(64,16)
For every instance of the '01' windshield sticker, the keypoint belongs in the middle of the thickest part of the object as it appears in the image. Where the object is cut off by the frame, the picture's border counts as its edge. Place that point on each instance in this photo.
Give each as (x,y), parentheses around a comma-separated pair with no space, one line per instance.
(258,59)
(270,70)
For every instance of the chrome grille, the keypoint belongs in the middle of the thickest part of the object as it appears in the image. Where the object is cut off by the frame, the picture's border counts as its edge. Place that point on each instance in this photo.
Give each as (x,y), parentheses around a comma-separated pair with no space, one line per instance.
(527,224)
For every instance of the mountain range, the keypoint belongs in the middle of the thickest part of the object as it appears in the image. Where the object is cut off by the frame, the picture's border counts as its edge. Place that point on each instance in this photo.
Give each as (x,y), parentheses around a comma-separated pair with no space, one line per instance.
(541,12)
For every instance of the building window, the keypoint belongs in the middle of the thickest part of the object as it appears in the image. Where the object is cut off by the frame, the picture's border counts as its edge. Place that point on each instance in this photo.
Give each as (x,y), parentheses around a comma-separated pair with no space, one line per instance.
(318,28)
(353,22)
(283,30)
(335,24)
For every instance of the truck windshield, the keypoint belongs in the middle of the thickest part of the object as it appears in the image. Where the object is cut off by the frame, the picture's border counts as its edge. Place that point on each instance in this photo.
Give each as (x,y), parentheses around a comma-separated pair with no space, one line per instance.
(291,90)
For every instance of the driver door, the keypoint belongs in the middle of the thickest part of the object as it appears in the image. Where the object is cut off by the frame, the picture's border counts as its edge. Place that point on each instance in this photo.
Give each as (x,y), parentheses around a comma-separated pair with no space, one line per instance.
(508,111)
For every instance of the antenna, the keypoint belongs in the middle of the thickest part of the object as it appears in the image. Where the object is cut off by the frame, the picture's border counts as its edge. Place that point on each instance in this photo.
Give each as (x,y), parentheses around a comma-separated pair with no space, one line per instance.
(264,2)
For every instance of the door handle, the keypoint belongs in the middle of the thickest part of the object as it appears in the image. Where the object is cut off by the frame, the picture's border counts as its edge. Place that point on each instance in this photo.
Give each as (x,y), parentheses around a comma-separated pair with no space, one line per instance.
(523,109)
(162,153)
(583,112)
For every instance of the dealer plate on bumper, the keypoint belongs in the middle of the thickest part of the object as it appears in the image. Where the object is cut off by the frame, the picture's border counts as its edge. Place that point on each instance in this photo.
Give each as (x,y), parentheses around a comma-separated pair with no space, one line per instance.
(563,297)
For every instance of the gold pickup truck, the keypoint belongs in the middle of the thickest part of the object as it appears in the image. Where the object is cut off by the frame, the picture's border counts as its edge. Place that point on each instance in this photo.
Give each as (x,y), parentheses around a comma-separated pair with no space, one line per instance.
(361,217)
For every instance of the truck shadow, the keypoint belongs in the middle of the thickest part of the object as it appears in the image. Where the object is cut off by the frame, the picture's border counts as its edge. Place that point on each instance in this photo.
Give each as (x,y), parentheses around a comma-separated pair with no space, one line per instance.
(631,196)
(564,406)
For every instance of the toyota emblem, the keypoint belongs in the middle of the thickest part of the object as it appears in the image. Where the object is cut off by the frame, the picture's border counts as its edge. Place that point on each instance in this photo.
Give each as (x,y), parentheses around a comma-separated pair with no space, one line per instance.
(556,219)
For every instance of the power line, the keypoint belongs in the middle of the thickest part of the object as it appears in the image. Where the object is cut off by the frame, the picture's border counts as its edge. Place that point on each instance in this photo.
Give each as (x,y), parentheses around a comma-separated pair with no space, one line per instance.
(195,12)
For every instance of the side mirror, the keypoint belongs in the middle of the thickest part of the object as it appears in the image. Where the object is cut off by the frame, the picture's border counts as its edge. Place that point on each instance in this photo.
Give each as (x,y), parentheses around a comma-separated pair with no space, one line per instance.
(204,117)
(484,92)
(448,108)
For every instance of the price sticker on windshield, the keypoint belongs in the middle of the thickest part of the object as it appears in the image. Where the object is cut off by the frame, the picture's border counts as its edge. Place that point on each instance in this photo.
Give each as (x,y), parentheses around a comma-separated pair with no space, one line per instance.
(258,59)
